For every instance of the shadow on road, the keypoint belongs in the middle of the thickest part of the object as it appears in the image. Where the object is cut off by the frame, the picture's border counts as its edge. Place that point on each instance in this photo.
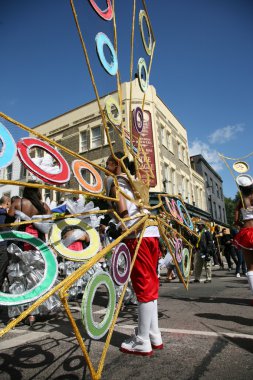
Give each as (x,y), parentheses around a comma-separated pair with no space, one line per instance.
(230,318)
(211,299)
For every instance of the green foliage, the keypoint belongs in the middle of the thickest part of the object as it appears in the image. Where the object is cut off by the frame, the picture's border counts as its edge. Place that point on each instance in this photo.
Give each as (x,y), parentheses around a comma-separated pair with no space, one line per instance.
(230,205)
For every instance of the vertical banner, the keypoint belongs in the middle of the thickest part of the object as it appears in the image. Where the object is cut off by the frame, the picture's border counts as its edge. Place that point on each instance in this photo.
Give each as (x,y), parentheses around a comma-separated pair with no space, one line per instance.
(147,142)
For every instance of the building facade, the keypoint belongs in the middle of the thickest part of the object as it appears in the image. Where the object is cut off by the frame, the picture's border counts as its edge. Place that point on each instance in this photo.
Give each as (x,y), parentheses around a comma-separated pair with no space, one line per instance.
(164,140)
(213,186)
(81,131)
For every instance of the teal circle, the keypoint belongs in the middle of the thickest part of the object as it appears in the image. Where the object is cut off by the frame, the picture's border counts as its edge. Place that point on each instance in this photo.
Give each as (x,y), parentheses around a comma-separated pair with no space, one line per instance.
(143,83)
(188,222)
(187,267)
(50,273)
(97,330)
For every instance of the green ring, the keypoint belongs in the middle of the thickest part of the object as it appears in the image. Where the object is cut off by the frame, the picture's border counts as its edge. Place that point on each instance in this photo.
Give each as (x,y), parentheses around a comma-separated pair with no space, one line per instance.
(50,273)
(97,330)
(186,268)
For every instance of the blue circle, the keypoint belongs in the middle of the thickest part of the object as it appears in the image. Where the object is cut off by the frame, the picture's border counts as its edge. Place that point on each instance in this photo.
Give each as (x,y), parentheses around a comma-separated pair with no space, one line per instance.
(101,40)
(9,148)
(189,222)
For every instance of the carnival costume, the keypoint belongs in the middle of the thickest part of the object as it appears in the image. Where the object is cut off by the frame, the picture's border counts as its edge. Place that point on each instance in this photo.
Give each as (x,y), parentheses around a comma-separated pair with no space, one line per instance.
(26,267)
(244,238)
(144,279)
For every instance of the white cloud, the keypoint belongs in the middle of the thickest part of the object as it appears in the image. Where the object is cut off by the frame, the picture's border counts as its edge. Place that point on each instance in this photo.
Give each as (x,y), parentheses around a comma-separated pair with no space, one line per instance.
(210,155)
(223,135)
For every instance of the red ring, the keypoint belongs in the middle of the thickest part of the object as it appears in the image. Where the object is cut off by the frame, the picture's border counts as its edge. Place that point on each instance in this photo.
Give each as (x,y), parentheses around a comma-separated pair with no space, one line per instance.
(27,143)
(107,13)
(77,166)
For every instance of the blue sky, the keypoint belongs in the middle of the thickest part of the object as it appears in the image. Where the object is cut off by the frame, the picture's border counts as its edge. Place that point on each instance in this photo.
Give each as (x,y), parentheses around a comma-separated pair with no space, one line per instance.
(202,66)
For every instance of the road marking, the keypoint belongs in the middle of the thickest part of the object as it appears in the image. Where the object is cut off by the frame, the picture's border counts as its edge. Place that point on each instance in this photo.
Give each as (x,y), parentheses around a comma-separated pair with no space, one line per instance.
(22,339)
(193,332)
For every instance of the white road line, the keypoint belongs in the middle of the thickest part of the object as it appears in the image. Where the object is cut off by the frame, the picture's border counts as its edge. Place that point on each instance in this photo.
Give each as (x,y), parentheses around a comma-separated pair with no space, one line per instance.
(22,339)
(194,332)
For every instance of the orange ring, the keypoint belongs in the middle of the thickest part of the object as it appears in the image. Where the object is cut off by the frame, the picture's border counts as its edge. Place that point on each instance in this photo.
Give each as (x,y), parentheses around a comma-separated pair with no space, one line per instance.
(77,166)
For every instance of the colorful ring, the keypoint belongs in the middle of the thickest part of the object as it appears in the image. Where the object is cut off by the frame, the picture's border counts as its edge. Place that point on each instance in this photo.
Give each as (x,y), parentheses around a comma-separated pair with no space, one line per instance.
(187,221)
(148,47)
(143,83)
(50,273)
(101,40)
(107,13)
(186,262)
(173,210)
(77,166)
(94,329)
(83,255)
(138,124)
(9,149)
(25,144)
(109,103)
(241,167)
(178,249)
(120,251)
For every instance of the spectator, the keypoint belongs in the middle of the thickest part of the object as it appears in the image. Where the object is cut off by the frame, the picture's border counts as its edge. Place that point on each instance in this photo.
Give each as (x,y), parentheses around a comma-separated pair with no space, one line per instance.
(217,258)
(229,249)
(203,254)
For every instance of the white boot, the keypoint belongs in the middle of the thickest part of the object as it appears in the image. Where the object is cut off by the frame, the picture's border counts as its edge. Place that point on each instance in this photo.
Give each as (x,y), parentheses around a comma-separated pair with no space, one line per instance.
(250,279)
(140,344)
(154,333)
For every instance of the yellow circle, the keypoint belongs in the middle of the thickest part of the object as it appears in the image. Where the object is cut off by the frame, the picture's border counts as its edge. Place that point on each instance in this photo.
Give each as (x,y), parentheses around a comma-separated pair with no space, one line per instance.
(83,255)
(147,47)
(241,167)
(109,103)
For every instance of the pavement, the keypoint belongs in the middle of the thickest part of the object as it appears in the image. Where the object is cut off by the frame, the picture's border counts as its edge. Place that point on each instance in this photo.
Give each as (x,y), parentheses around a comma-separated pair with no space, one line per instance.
(207,333)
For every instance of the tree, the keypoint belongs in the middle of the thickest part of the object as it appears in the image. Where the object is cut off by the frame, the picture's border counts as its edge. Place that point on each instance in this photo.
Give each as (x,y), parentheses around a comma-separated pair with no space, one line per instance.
(230,205)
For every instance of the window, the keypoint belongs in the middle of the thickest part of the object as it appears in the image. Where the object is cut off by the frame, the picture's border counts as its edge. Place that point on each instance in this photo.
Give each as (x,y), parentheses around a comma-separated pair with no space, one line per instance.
(39,152)
(183,187)
(215,210)
(9,172)
(84,141)
(163,135)
(111,133)
(23,171)
(217,190)
(86,175)
(47,194)
(168,140)
(211,184)
(96,140)
(220,215)
(173,181)
(179,151)
(188,194)
(206,179)
(167,178)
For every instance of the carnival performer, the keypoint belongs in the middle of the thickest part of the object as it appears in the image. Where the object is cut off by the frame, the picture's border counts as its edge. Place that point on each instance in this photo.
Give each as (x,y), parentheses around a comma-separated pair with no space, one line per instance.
(144,274)
(244,238)
(27,266)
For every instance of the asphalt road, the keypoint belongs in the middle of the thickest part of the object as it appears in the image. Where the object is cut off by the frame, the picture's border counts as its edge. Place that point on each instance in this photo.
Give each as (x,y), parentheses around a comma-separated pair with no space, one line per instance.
(207,333)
